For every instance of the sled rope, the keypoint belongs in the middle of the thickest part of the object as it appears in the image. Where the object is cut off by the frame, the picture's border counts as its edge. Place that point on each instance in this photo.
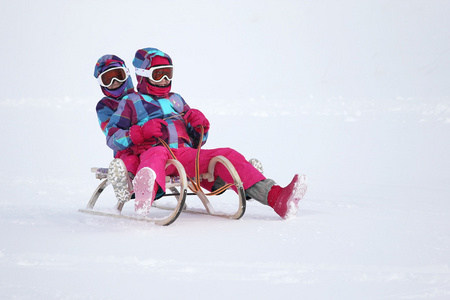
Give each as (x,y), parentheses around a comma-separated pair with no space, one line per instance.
(196,183)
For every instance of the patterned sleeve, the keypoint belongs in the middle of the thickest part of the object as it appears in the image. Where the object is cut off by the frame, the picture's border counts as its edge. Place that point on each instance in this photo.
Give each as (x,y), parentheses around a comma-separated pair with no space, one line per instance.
(105,109)
(118,136)
(193,134)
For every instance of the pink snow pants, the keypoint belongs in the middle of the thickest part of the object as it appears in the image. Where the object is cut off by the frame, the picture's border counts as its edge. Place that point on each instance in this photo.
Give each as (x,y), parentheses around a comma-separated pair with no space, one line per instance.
(130,160)
(156,158)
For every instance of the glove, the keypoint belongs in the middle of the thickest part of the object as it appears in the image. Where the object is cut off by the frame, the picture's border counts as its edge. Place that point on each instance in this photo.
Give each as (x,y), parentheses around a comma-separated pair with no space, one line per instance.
(136,135)
(196,118)
(153,128)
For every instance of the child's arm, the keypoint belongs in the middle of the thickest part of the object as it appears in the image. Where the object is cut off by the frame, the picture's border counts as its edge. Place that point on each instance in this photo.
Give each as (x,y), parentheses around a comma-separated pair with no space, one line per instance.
(195,119)
(118,129)
(105,109)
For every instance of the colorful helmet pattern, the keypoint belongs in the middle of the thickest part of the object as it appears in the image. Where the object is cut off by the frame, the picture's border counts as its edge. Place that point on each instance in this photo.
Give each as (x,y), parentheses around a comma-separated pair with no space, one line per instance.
(110,61)
(145,59)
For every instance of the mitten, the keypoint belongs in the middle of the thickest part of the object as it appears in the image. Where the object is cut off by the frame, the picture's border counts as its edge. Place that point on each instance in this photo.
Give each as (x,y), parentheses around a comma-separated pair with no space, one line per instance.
(153,128)
(196,118)
(136,135)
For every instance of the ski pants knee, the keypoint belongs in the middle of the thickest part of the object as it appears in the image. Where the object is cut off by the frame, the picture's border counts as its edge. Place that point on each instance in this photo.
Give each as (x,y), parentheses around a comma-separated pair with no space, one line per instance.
(156,158)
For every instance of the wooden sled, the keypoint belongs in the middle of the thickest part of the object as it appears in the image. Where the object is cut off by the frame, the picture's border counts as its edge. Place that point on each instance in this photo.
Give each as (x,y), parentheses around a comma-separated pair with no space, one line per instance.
(176,186)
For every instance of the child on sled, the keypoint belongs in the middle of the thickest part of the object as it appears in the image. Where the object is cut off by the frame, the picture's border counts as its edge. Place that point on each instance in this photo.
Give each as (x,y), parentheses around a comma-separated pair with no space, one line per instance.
(159,125)
(115,82)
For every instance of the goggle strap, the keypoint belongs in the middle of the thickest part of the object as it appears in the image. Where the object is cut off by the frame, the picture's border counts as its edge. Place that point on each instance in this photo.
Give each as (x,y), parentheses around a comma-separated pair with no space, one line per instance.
(143,72)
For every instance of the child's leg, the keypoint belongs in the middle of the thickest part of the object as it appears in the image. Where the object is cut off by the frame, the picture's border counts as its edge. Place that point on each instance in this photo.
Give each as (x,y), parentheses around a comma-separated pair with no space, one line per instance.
(150,176)
(132,163)
(248,174)
(283,200)
(156,158)
(260,190)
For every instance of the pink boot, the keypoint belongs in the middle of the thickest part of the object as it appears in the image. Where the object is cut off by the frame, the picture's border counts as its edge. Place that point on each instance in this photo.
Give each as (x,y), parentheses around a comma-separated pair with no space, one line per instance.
(285,200)
(144,189)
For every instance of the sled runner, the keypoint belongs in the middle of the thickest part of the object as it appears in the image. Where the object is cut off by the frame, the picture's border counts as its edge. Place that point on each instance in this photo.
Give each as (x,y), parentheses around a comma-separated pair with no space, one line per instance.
(176,186)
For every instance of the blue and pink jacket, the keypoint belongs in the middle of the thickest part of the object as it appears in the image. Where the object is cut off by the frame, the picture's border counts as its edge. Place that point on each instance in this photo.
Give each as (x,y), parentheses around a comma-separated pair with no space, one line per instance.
(152,102)
(108,105)
(137,109)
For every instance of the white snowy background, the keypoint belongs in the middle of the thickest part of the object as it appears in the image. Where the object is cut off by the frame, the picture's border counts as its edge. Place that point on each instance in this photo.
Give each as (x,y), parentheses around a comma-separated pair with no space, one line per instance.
(355,94)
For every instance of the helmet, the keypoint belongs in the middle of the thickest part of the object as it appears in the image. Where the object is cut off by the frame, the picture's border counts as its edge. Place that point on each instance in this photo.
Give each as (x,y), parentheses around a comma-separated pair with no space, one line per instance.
(145,59)
(111,61)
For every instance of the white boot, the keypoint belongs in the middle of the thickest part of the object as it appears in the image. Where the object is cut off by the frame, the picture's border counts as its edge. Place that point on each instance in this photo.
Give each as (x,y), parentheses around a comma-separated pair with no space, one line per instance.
(257,164)
(120,180)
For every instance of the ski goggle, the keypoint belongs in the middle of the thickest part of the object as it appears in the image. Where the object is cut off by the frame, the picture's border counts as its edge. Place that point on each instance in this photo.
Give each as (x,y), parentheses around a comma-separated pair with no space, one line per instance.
(157,73)
(107,78)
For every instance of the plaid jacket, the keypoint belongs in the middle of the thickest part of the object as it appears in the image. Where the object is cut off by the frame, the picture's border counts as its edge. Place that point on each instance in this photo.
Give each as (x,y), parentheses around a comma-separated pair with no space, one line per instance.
(105,109)
(137,109)
(108,104)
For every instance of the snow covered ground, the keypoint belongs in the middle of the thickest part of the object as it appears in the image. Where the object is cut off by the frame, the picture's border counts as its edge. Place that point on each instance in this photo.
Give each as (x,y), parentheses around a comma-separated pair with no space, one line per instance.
(374,223)
(374,143)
